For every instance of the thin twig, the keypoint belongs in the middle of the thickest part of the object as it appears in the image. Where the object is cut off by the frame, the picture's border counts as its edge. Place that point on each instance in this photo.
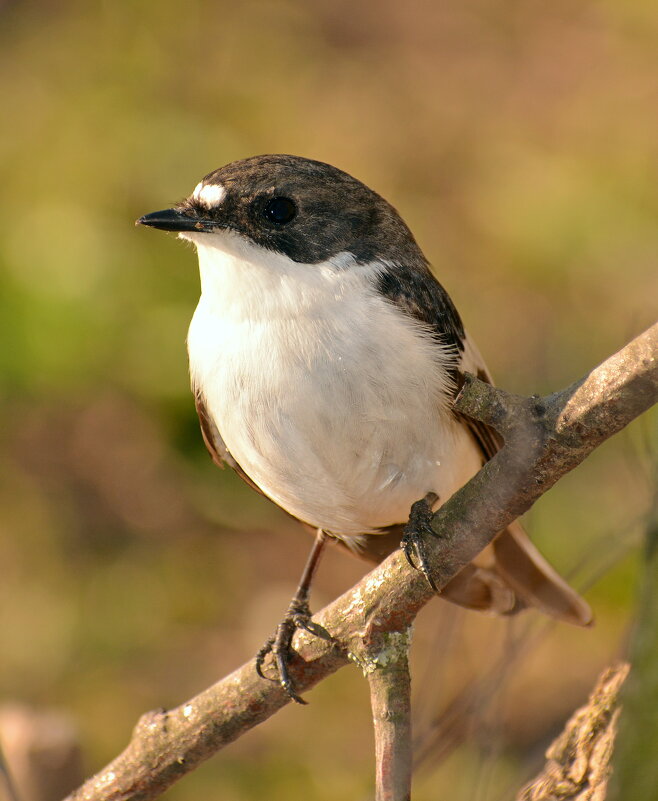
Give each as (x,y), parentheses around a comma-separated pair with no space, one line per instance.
(386,665)
(578,762)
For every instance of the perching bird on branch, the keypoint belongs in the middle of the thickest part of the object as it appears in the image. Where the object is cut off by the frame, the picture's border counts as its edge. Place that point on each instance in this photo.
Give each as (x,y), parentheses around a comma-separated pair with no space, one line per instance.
(324,359)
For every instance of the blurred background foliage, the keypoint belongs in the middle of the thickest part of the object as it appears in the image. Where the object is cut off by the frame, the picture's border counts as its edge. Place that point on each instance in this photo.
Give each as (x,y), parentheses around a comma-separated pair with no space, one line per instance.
(518,140)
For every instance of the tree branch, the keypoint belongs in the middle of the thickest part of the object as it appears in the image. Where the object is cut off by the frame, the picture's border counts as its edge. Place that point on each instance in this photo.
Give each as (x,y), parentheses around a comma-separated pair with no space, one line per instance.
(386,666)
(544,439)
(578,762)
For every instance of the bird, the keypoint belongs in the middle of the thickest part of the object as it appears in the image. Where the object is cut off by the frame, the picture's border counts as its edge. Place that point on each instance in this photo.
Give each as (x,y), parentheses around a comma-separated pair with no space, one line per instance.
(324,359)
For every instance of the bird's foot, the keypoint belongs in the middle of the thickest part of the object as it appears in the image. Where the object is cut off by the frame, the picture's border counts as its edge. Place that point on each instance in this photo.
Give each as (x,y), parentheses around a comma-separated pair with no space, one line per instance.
(414,542)
(279,645)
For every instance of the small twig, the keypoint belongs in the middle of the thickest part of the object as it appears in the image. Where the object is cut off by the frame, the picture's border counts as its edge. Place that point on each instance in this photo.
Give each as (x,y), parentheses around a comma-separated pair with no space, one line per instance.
(578,762)
(383,656)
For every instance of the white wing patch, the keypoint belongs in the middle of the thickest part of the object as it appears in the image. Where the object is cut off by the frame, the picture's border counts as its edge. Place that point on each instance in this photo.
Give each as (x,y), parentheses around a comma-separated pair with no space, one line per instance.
(209,195)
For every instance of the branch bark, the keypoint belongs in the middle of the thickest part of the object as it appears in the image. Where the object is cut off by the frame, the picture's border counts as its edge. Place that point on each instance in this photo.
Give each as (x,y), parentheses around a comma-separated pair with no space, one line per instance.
(578,765)
(386,667)
(545,438)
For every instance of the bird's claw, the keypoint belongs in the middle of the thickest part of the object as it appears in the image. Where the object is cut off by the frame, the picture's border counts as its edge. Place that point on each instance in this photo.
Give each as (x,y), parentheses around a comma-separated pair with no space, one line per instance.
(279,645)
(418,528)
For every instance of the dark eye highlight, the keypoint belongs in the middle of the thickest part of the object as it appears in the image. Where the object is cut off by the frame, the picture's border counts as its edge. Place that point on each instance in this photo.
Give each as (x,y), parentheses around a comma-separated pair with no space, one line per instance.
(280,210)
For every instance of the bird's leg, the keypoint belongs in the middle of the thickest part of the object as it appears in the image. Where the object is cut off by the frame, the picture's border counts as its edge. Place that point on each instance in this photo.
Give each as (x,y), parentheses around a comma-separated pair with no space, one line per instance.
(298,616)
(417,529)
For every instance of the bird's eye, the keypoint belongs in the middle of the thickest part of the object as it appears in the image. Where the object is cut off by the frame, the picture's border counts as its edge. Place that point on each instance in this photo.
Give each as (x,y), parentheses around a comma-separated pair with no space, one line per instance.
(280,210)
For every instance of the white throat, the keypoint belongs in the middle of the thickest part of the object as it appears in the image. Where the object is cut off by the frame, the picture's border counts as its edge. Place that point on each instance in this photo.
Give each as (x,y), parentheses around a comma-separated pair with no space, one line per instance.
(254,283)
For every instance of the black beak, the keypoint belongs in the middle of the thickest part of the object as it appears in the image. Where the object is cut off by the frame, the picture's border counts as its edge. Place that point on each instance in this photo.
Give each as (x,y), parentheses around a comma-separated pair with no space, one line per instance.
(174,220)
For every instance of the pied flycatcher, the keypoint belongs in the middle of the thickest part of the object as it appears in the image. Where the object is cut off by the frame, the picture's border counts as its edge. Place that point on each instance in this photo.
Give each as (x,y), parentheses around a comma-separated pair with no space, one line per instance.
(324,358)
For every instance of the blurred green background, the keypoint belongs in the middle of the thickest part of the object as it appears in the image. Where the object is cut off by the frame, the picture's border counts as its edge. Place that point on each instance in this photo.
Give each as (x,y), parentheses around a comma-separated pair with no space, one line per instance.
(519,142)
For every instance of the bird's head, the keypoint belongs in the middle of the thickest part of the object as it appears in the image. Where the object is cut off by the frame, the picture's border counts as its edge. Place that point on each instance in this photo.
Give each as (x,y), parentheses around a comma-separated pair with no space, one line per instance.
(306,210)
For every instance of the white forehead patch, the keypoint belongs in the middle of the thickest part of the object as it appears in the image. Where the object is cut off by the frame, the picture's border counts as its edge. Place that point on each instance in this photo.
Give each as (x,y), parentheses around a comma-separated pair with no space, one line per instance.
(209,195)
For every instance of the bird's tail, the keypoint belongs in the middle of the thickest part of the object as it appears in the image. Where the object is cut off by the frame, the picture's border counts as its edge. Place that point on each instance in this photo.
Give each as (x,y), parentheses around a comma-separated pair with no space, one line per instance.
(509,575)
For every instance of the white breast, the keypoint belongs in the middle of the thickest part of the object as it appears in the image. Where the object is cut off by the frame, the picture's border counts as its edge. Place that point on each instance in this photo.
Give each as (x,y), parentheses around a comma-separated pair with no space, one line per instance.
(331,401)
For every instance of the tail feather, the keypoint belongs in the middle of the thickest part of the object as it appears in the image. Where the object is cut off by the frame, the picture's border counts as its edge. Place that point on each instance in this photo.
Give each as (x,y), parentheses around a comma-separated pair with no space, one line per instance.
(536,583)
(513,575)
(481,588)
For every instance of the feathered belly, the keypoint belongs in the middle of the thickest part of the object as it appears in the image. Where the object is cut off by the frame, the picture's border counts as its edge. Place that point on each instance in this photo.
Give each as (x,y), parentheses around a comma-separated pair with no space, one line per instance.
(344,430)
(330,461)
(335,468)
